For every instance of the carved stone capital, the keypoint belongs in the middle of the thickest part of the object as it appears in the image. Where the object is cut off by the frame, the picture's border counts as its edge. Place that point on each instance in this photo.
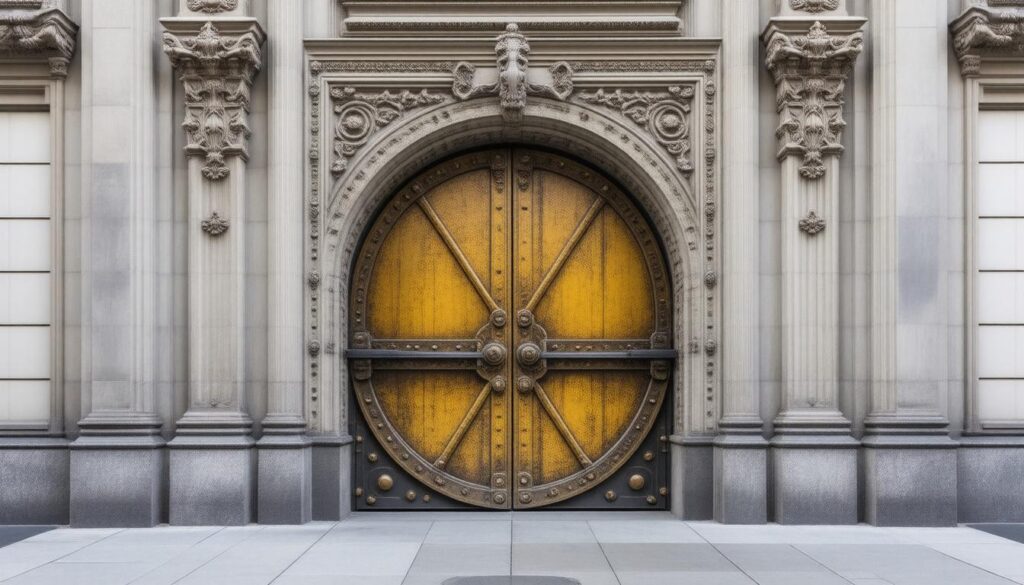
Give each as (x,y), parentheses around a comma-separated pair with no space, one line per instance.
(216,64)
(46,35)
(810,64)
(981,33)
(512,53)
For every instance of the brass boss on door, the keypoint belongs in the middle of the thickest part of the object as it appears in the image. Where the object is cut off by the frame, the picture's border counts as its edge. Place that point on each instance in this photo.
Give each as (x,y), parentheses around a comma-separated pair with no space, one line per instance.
(510,336)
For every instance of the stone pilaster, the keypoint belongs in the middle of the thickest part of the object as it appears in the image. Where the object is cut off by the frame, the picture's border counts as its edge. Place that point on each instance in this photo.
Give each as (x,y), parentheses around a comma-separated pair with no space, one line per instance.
(117,462)
(815,460)
(741,456)
(212,463)
(285,453)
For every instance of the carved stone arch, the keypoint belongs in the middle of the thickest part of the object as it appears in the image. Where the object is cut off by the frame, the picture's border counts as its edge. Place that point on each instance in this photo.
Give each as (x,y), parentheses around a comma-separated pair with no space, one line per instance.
(681,207)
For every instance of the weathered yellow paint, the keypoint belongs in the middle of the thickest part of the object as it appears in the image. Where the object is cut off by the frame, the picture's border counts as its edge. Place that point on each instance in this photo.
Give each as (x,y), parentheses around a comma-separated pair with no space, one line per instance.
(509,237)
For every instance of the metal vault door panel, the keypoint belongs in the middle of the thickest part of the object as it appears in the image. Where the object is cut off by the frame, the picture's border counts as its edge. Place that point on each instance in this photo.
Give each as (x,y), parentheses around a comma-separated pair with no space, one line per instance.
(510,341)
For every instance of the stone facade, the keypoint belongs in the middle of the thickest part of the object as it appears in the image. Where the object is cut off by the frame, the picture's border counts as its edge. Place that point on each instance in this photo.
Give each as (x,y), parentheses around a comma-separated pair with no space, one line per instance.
(809,166)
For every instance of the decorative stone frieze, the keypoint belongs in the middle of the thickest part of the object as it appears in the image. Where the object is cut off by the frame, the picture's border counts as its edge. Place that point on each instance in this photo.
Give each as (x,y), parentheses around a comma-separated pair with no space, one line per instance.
(666,116)
(513,58)
(43,34)
(810,70)
(216,69)
(359,115)
(986,33)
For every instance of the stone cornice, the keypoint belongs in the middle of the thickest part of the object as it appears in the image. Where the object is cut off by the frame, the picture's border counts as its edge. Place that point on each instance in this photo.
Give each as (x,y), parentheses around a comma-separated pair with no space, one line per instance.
(216,62)
(810,61)
(45,35)
(981,33)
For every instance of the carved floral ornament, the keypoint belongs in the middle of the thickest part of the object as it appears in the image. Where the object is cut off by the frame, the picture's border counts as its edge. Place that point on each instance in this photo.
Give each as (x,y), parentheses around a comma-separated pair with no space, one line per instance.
(814,6)
(212,6)
(810,72)
(982,32)
(216,71)
(41,34)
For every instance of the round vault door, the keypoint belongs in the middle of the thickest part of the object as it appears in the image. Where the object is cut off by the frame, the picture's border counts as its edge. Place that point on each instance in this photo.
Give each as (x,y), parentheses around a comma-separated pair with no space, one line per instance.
(510,338)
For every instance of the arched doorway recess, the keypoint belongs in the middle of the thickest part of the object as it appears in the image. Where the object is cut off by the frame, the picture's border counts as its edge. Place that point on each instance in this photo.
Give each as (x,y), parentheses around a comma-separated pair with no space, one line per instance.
(681,204)
(510,340)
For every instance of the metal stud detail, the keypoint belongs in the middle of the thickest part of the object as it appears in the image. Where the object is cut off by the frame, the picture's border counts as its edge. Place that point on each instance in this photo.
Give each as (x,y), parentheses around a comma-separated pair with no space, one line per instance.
(385,483)
(637,482)
(610,496)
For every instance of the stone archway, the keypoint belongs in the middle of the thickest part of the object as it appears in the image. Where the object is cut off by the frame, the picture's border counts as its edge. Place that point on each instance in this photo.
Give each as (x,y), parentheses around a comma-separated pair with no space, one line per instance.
(428,126)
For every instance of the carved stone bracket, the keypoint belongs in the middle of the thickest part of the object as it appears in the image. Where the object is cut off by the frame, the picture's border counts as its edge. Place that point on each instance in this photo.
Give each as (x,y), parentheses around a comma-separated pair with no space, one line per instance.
(512,53)
(216,68)
(666,116)
(810,68)
(981,32)
(359,115)
(46,35)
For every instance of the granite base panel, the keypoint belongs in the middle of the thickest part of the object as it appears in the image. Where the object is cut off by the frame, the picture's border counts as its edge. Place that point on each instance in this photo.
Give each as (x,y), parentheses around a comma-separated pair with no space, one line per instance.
(989,484)
(117,487)
(910,486)
(34,485)
(741,484)
(691,470)
(814,485)
(212,487)
(285,491)
(332,481)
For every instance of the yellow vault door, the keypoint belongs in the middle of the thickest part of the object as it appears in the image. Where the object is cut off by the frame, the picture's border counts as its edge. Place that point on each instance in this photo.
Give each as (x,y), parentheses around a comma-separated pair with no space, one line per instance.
(510,322)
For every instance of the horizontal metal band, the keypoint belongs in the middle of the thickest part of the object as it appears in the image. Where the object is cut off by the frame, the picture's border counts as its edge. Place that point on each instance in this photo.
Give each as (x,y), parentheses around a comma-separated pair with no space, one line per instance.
(629,354)
(397,354)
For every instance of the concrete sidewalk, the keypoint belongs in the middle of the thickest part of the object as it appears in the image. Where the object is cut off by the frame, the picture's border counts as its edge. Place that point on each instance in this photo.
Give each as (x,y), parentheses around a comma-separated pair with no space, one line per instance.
(594,548)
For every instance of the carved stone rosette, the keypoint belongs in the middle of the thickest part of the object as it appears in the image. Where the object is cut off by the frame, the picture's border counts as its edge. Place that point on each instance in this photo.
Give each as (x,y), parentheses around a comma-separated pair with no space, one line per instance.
(512,52)
(810,68)
(216,68)
(46,34)
(985,33)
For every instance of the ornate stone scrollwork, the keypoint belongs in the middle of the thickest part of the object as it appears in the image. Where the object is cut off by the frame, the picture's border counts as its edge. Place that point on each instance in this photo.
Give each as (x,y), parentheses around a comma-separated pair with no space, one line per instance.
(814,5)
(512,52)
(362,114)
(216,71)
(666,116)
(44,34)
(810,72)
(982,32)
(212,6)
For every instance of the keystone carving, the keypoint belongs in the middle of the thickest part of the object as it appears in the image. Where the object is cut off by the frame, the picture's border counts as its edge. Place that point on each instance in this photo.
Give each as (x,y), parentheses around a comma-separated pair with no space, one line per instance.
(216,71)
(513,58)
(362,114)
(41,34)
(982,32)
(810,72)
(814,6)
(665,116)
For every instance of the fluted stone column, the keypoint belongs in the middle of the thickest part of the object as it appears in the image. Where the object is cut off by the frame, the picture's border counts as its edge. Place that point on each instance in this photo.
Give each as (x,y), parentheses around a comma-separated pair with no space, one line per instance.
(285,455)
(118,461)
(740,452)
(814,457)
(212,463)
